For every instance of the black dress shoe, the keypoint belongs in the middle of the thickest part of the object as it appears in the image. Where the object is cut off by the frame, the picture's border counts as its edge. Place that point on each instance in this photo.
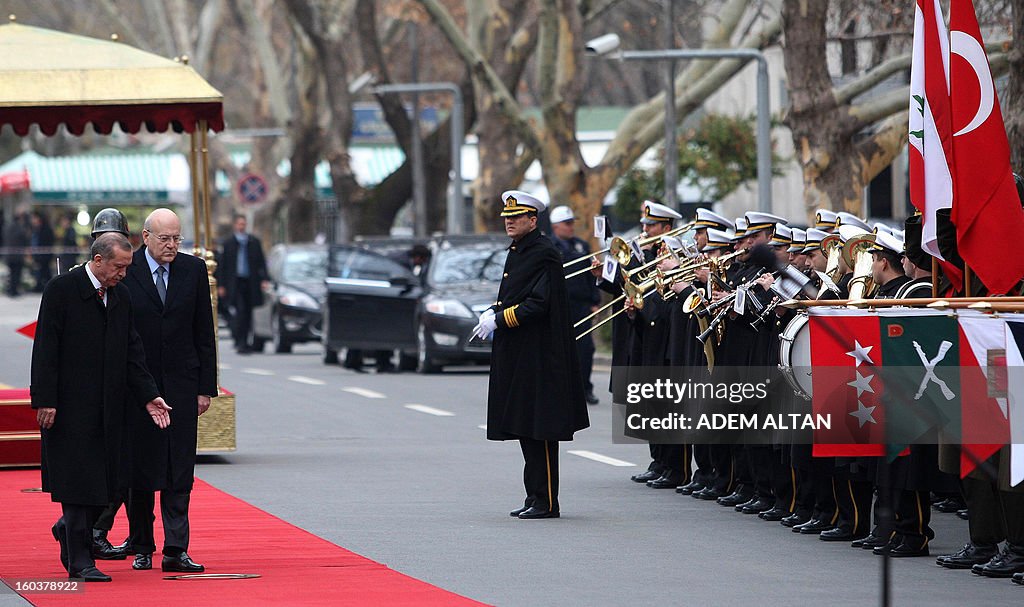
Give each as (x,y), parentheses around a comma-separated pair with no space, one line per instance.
(519,511)
(666,481)
(591,398)
(949,505)
(962,514)
(708,493)
(182,563)
(142,562)
(839,534)
(902,549)
(90,574)
(774,514)
(1005,564)
(735,499)
(690,488)
(104,551)
(968,556)
(797,518)
(871,542)
(1018,578)
(753,499)
(63,546)
(643,477)
(813,527)
(533,512)
(758,506)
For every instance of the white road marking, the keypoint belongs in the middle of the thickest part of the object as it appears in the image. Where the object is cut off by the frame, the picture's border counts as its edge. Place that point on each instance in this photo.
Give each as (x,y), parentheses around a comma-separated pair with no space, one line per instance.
(429,410)
(604,459)
(307,380)
(257,371)
(363,392)
(482,426)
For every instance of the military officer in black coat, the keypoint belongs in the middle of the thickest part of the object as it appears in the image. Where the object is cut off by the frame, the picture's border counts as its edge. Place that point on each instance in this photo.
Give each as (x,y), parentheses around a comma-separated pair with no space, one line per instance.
(241,272)
(88,367)
(535,394)
(174,318)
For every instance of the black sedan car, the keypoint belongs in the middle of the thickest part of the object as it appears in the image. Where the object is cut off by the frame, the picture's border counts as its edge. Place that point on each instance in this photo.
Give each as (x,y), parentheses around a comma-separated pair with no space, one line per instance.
(291,312)
(376,303)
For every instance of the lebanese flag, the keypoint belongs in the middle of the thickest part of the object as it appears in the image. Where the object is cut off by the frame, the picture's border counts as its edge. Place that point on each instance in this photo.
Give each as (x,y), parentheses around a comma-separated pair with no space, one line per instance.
(983,360)
(986,207)
(845,357)
(931,131)
(14,182)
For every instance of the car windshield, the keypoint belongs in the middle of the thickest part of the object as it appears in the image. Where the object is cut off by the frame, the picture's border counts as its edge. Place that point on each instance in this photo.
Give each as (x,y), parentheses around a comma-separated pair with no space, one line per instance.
(466,263)
(304,266)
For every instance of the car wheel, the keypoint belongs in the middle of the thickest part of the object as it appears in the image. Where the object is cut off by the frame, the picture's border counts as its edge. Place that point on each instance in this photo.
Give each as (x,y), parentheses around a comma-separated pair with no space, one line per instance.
(281,343)
(407,361)
(424,362)
(330,356)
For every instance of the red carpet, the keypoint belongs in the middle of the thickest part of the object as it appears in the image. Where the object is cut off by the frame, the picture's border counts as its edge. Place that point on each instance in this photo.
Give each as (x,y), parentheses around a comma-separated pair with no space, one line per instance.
(228,536)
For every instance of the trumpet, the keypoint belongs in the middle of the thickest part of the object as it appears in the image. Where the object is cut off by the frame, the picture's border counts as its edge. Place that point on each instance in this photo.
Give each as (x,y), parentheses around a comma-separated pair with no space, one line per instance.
(621,250)
(635,292)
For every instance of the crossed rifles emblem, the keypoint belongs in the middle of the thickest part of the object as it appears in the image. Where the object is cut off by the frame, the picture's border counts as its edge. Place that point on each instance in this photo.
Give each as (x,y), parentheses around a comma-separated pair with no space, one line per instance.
(929,370)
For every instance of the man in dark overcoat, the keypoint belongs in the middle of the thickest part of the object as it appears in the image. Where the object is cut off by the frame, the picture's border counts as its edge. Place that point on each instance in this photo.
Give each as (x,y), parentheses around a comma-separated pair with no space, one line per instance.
(535,394)
(174,318)
(241,272)
(88,366)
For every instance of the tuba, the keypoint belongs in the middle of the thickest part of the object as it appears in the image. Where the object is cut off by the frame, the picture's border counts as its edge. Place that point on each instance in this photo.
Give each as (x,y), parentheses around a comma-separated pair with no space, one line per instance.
(857,254)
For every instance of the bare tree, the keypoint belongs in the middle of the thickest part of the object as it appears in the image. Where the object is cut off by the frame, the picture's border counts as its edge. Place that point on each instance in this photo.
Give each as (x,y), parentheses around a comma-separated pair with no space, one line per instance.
(1013,100)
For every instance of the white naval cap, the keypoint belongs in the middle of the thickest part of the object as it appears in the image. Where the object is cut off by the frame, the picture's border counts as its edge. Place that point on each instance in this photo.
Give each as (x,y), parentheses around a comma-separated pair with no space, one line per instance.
(824,219)
(783,236)
(757,221)
(741,229)
(655,212)
(517,202)
(814,238)
(561,213)
(846,232)
(884,241)
(719,239)
(706,218)
(849,219)
(799,241)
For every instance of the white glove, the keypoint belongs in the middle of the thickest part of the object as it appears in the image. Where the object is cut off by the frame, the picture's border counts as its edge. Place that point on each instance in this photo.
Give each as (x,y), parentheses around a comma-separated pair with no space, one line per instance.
(485,328)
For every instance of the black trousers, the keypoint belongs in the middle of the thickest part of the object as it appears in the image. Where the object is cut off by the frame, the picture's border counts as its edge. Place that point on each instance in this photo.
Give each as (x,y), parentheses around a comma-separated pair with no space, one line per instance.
(853,497)
(725,468)
(704,473)
(105,522)
(75,526)
(1013,518)
(173,512)
(985,519)
(242,315)
(585,351)
(913,517)
(540,473)
(676,458)
(784,484)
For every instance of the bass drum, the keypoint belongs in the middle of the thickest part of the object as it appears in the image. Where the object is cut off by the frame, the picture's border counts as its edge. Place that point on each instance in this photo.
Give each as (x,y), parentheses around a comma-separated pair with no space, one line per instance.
(795,354)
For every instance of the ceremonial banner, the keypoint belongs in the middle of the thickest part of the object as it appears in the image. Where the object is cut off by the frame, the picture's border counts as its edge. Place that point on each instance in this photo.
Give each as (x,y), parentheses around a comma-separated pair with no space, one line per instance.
(1015,390)
(986,208)
(983,379)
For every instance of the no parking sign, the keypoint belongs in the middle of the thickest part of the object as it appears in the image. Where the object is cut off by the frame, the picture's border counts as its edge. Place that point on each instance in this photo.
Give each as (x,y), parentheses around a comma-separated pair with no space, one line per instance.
(252,189)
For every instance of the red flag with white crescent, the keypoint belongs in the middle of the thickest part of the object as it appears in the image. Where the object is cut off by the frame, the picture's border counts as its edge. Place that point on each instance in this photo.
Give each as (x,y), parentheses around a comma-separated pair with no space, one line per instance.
(986,208)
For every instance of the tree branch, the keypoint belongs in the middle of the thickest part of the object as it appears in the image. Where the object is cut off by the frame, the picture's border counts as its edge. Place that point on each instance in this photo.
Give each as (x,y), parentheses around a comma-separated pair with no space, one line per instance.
(598,8)
(876,153)
(273,77)
(504,100)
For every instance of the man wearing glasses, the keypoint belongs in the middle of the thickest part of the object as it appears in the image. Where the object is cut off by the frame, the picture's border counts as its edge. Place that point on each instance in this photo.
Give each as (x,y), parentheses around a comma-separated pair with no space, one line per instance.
(173,316)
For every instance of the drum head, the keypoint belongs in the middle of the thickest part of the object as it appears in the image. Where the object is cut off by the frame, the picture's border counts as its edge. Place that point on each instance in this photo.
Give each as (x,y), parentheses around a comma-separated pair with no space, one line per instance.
(795,354)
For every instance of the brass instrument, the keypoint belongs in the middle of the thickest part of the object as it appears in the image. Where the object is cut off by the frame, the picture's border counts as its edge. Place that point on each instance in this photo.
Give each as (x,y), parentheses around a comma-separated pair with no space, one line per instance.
(635,292)
(831,247)
(620,247)
(857,254)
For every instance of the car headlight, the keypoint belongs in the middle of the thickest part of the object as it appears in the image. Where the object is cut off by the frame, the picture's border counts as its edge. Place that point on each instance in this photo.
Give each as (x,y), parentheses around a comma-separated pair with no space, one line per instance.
(298,299)
(449,307)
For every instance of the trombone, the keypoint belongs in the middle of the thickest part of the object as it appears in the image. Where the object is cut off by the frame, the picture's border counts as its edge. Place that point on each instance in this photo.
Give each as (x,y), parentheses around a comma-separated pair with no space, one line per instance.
(635,292)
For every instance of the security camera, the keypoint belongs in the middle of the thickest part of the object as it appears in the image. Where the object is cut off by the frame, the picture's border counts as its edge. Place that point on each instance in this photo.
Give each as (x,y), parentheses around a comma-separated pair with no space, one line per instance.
(602,45)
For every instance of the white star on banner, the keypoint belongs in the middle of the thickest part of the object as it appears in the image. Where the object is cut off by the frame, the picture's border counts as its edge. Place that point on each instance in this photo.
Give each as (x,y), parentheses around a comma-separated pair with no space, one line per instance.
(860,353)
(862,383)
(863,414)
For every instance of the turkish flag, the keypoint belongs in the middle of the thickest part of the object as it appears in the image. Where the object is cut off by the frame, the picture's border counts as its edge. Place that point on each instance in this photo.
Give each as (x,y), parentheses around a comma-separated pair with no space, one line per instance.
(986,209)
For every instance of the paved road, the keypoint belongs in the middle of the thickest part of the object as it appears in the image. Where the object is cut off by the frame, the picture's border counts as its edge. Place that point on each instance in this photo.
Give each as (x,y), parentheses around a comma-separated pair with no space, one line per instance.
(396,467)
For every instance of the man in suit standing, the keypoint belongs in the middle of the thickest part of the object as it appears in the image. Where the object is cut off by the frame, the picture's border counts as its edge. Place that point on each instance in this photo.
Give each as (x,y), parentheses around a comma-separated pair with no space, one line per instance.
(174,319)
(241,272)
(88,366)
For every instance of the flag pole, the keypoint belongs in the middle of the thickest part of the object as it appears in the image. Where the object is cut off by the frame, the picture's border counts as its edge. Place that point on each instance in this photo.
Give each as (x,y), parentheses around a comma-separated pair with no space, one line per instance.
(939,303)
(967,280)
(935,277)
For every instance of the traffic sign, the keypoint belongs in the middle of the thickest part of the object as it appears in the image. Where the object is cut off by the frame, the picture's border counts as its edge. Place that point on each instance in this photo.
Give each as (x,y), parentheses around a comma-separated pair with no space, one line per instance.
(252,189)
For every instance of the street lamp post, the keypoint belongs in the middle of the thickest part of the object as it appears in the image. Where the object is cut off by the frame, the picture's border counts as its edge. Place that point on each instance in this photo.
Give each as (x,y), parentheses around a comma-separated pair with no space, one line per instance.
(608,45)
(454,213)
